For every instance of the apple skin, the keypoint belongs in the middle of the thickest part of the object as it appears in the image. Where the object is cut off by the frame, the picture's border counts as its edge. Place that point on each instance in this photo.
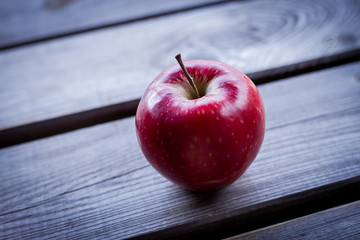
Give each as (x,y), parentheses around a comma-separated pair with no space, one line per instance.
(205,143)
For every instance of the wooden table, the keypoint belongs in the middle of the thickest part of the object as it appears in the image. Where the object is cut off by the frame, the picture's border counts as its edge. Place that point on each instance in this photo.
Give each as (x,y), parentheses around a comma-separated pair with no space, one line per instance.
(72,73)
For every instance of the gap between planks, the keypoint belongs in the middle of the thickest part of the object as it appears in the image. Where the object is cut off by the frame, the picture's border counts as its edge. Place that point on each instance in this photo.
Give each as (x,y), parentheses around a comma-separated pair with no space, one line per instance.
(58,125)
(266,213)
(340,222)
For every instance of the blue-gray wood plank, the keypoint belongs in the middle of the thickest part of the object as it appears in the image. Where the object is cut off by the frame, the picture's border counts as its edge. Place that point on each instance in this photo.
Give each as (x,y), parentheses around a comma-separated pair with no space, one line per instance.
(95,182)
(22,21)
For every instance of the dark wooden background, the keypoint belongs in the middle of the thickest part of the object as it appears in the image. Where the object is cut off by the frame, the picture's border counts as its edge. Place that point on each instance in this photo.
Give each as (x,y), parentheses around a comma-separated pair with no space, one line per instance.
(72,73)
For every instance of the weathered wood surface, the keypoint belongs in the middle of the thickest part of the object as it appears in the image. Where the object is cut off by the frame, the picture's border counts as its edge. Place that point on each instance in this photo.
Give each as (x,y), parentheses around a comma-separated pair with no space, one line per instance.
(114,65)
(70,122)
(95,182)
(30,21)
(337,223)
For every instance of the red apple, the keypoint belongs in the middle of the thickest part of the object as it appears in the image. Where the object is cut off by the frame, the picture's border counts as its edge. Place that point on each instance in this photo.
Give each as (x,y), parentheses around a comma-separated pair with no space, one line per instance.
(206,140)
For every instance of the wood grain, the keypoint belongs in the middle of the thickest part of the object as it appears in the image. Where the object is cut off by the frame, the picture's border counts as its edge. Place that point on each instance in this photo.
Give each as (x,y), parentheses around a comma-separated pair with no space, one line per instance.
(114,65)
(24,22)
(336,223)
(50,127)
(95,183)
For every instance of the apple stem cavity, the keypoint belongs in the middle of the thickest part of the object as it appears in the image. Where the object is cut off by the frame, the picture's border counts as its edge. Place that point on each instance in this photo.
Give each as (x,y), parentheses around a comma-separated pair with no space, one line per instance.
(189,78)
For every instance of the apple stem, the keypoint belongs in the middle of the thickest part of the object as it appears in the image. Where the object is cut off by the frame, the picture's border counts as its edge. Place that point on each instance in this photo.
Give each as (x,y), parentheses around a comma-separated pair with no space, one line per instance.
(189,78)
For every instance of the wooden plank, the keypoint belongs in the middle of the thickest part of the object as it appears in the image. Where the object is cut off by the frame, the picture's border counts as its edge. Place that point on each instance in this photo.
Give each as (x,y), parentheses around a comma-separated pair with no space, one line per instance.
(337,223)
(32,21)
(117,111)
(106,67)
(96,182)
